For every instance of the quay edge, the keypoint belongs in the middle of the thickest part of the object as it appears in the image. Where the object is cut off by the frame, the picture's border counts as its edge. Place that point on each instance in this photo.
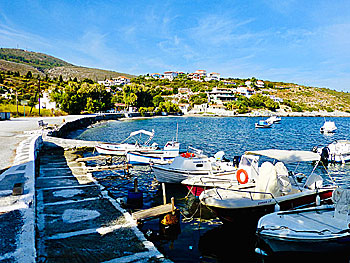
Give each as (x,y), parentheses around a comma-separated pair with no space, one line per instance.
(18,213)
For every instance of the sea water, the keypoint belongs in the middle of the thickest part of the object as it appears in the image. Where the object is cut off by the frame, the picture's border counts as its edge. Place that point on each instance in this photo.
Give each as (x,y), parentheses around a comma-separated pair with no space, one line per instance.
(202,237)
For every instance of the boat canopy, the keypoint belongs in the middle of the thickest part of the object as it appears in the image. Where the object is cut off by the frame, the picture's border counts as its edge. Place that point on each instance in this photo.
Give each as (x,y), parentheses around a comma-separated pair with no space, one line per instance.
(288,156)
(151,134)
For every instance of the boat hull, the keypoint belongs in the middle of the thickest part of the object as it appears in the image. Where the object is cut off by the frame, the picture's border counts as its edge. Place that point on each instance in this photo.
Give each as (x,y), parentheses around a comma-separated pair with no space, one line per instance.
(252,214)
(136,158)
(287,245)
(174,176)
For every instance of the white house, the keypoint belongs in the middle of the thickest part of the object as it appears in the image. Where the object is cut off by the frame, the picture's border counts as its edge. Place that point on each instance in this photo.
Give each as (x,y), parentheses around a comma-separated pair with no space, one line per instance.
(170,75)
(219,95)
(46,103)
(212,76)
(245,91)
(260,84)
(184,107)
(201,72)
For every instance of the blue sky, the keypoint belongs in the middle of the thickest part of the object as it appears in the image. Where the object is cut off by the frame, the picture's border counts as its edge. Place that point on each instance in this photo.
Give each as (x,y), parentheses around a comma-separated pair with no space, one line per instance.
(304,42)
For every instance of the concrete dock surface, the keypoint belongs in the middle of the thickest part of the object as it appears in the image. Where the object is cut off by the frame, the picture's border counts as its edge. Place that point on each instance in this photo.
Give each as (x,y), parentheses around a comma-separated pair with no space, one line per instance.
(62,213)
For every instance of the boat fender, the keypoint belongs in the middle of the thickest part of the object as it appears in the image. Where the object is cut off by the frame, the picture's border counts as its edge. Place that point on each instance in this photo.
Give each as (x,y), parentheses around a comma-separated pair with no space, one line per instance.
(239,172)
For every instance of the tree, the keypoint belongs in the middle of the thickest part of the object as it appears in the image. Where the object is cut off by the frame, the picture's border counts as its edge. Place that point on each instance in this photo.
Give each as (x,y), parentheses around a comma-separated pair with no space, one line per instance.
(29,75)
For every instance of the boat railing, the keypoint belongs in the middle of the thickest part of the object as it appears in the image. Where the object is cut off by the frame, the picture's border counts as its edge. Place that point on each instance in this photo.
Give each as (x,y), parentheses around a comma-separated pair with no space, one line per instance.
(251,193)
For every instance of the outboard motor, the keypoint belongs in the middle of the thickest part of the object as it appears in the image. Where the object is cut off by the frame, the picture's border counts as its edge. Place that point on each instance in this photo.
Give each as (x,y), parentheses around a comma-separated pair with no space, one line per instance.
(314,149)
(236,160)
(325,155)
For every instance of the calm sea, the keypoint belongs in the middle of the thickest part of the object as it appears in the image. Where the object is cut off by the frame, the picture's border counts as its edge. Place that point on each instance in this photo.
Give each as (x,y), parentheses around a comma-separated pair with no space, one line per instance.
(202,237)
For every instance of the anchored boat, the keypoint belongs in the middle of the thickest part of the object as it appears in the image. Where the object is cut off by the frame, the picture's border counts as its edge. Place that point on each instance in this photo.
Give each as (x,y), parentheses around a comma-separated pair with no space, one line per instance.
(123,148)
(243,178)
(336,152)
(328,127)
(193,163)
(166,155)
(319,229)
(275,188)
(263,124)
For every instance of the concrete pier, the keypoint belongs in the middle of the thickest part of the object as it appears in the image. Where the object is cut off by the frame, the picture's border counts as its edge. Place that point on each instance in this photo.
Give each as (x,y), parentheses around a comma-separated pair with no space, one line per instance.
(63,215)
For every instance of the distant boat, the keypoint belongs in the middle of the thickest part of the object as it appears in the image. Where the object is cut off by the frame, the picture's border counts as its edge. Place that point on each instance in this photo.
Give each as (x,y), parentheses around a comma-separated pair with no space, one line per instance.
(328,127)
(274,119)
(320,229)
(123,148)
(335,152)
(263,124)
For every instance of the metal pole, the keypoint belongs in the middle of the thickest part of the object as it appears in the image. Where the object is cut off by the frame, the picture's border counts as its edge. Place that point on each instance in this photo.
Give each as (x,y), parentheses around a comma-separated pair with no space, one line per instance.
(39,95)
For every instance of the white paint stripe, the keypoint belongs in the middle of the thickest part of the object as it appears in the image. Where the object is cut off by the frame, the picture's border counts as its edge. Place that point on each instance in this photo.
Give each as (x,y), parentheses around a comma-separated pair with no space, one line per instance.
(66,187)
(72,201)
(102,231)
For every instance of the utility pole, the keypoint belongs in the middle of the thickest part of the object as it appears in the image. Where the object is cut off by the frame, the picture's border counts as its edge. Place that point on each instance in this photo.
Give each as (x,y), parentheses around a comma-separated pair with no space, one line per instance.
(17,101)
(39,95)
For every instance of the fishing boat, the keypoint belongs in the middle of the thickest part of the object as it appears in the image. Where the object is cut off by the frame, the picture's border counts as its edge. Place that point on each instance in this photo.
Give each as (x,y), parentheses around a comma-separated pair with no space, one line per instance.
(336,152)
(328,127)
(274,119)
(263,124)
(275,188)
(166,155)
(320,229)
(247,166)
(123,147)
(193,162)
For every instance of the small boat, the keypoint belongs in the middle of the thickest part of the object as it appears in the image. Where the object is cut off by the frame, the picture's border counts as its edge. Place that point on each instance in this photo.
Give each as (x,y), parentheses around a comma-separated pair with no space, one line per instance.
(328,127)
(122,148)
(166,155)
(275,188)
(320,229)
(274,119)
(193,163)
(196,184)
(263,124)
(336,152)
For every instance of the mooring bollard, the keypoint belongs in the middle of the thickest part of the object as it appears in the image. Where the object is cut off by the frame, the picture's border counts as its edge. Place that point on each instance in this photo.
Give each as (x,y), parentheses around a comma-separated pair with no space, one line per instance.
(135,196)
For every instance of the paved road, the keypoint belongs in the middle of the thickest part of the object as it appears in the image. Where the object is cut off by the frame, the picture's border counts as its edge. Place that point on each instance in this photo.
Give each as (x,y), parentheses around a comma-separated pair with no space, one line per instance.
(16,130)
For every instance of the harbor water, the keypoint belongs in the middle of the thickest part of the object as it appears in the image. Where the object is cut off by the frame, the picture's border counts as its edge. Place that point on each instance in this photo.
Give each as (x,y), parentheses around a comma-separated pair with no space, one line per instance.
(201,237)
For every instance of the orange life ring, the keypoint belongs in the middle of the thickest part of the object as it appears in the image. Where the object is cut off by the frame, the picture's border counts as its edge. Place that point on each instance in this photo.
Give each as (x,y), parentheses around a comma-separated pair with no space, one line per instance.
(183,154)
(239,176)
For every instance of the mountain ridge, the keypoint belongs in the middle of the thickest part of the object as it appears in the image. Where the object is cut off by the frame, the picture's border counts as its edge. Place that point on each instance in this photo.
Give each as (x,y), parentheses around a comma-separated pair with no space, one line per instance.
(12,59)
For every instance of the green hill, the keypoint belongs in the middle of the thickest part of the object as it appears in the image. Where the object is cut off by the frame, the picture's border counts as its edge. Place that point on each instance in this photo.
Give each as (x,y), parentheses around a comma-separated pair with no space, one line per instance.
(41,64)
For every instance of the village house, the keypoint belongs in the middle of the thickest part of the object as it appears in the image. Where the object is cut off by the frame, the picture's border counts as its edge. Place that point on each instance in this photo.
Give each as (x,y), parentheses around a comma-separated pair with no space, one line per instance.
(156,75)
(46,103)
(260,84)
(219,95)
(246,91)
(212,76)
(170,75)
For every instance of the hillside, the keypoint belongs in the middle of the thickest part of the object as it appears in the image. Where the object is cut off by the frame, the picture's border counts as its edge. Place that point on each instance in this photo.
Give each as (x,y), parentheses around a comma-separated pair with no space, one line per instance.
(42,64)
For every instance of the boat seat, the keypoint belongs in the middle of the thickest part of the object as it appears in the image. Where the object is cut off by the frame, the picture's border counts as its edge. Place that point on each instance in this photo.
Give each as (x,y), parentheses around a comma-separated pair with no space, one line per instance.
(284,184)
(341,199)
(267,182)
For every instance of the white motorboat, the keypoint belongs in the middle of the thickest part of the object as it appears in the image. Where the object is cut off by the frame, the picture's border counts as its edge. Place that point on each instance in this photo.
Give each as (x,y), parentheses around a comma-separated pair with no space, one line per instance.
(263,124)
(275,188)
(274,119)
(166,155)
(247,165)
(328,127)
(316,229)
(122,148)
(193,163)
(336,152)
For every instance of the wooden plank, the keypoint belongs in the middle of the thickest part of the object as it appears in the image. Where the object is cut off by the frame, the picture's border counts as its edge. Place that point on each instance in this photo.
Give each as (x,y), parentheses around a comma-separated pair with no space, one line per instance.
(92,158)
(108,167)
(152,212)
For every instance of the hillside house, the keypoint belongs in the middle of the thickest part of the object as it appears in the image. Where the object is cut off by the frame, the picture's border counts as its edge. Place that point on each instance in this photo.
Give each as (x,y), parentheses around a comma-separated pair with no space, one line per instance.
(246,91)
(212,76)
(219,95)
(184,107)
(260,84)
(156,75)
(170,75)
